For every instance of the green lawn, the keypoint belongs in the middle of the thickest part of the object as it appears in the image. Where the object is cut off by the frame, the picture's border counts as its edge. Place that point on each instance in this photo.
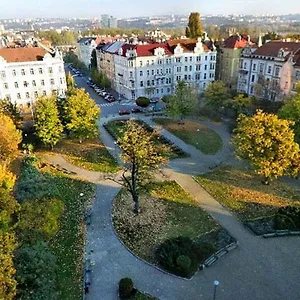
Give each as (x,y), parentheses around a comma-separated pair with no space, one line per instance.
(244,194)
(195,134)
(117,129)
(142,296)
(91,155)
(167,212)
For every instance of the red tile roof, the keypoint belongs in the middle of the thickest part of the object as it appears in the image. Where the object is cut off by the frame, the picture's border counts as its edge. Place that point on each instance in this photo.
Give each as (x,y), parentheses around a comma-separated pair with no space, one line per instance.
(272,48)
(22,54)
(189,45)
(236,41)
(148,50)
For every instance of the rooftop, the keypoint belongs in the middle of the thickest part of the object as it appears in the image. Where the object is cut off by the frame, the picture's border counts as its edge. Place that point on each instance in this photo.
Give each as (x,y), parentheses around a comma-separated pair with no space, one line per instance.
(22,54)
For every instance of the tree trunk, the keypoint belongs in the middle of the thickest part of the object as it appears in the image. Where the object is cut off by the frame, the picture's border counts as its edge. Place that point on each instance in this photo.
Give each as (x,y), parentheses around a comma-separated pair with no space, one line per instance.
(134,193)
(135,197)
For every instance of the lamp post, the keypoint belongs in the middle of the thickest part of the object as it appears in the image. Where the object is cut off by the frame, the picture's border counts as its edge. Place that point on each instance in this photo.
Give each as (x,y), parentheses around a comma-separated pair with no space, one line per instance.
(216,283)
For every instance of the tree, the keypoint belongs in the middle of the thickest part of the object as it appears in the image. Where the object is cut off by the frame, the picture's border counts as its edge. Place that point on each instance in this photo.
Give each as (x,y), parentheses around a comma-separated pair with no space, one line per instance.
(36,272)
(8,284)
(142,101)
(291,111)
(10,138)
(94,59)
(183,102)
(194,28)
(141,155)
(70,81)
(268,143)
(82,113)
(47,124)
(11,109)
(215,95)
(7,178)
(267,90)
(240,103)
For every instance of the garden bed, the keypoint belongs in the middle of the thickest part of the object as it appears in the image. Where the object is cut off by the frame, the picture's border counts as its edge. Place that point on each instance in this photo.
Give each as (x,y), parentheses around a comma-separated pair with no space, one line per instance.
(117,128)
(168,213)
(191,132)
(242,192)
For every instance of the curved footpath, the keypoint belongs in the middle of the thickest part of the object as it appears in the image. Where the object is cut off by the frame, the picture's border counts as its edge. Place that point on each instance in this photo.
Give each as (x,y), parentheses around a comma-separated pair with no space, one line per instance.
(259,269)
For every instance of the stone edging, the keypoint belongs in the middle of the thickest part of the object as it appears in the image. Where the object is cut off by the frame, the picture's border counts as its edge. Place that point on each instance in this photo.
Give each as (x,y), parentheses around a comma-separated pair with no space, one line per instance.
(280,233)
(217,255)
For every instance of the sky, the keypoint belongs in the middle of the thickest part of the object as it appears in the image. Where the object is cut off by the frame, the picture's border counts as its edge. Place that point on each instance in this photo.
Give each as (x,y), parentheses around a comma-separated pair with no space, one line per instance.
(134,8)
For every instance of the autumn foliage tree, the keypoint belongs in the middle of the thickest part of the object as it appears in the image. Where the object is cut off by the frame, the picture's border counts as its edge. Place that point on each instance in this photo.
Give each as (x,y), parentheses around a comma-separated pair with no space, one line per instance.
(82,114)
(268,143)
(216,94)
(11,109)
(140,155)
(194,28)
(10,138)
(47,123)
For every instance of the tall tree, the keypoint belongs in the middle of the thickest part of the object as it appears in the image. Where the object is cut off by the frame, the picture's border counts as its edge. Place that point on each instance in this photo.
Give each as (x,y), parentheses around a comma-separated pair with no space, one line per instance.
(47,124)
(82,113)
(183,102)
(11,109)
(94,59)
(141,155)
(10,138)
(268,143)
(216,94)
(70,81)
(291,111)
(194,28)
(240,103)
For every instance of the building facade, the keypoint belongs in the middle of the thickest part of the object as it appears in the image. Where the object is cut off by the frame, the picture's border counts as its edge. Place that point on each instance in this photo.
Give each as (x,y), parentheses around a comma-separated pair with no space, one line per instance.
(153,70)
(230,54)
(85,47)
(28,73)
(270,72)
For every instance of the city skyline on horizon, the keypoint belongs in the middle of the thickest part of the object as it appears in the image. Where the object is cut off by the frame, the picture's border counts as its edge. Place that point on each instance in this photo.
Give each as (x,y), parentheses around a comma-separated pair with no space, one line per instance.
(68,9)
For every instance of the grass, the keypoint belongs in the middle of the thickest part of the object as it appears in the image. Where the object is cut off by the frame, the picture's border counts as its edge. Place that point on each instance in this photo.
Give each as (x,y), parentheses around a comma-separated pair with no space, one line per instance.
(141,296)
(117,129)
(195,134)
(68,243)
(167,212)
(242,192)
(90,154)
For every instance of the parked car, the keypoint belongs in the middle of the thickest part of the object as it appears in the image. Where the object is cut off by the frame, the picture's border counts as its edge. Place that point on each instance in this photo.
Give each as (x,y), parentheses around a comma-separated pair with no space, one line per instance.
(124,112)
(136,110)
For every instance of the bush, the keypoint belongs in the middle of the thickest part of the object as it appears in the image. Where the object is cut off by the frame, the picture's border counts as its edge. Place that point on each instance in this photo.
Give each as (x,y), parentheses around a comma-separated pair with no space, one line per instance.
(287,218)
(126,288)
(142,101)
(184,263)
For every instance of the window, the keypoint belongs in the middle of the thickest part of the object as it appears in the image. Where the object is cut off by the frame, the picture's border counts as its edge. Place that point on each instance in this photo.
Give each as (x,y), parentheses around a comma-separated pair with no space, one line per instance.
(18,96)
(167,71)
(148,63)
(153,82)
(148,72)
(50,70)
(141,73)
(3,75)
(40,70)
(191,58)
(148,82)
(27,95)
(130,74)
(261,67)
(33,83)
(52,81)
(23,72)
(204,76)
(198,77)
(152,72)
(42,82)
(191,68)
(36,94)
(251,90)
(185,77)
(141,63)
(157,91)
(7,97)
(14,72)
(198,58)
(25,84)
(31,71)
(205,67)
(186,68)
(245,65)
(16,85)
(269,69)
(157,81)
(252,78)
(44,93)
(254,67)
(186,59)
(206,57)
(277,70)
(178,59)
(6,86)
(168,89)
(141,83)
(162,91)
(190,77)
(178,69)
(152,62)
(157,71)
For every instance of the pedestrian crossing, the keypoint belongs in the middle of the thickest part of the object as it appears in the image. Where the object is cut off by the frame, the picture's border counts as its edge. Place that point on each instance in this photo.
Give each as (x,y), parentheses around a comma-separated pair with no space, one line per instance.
(117,103)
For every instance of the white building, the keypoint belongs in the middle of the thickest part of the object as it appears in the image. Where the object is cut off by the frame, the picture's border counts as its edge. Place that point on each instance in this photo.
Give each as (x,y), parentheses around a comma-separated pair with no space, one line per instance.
(27,73)
(271,71)
(85,47)
(153,70)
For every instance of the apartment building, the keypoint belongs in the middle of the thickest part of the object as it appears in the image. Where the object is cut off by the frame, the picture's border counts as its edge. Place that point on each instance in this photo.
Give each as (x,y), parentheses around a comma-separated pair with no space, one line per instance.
(270,72)
(27,73)
(85,47)
(153,70)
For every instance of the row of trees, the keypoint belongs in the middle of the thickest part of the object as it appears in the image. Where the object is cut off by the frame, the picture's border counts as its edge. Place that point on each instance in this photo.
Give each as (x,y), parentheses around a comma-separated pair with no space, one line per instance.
(66,37)
(72,58)
(100,78)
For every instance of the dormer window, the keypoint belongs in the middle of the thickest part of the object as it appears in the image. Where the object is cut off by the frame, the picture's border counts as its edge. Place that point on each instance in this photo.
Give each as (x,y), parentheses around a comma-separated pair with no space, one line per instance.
(281,53)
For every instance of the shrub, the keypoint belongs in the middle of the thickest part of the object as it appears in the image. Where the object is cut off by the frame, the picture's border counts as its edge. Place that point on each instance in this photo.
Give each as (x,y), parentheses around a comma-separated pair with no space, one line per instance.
(142,101)
(287,218)
(126,288)
(184,263)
